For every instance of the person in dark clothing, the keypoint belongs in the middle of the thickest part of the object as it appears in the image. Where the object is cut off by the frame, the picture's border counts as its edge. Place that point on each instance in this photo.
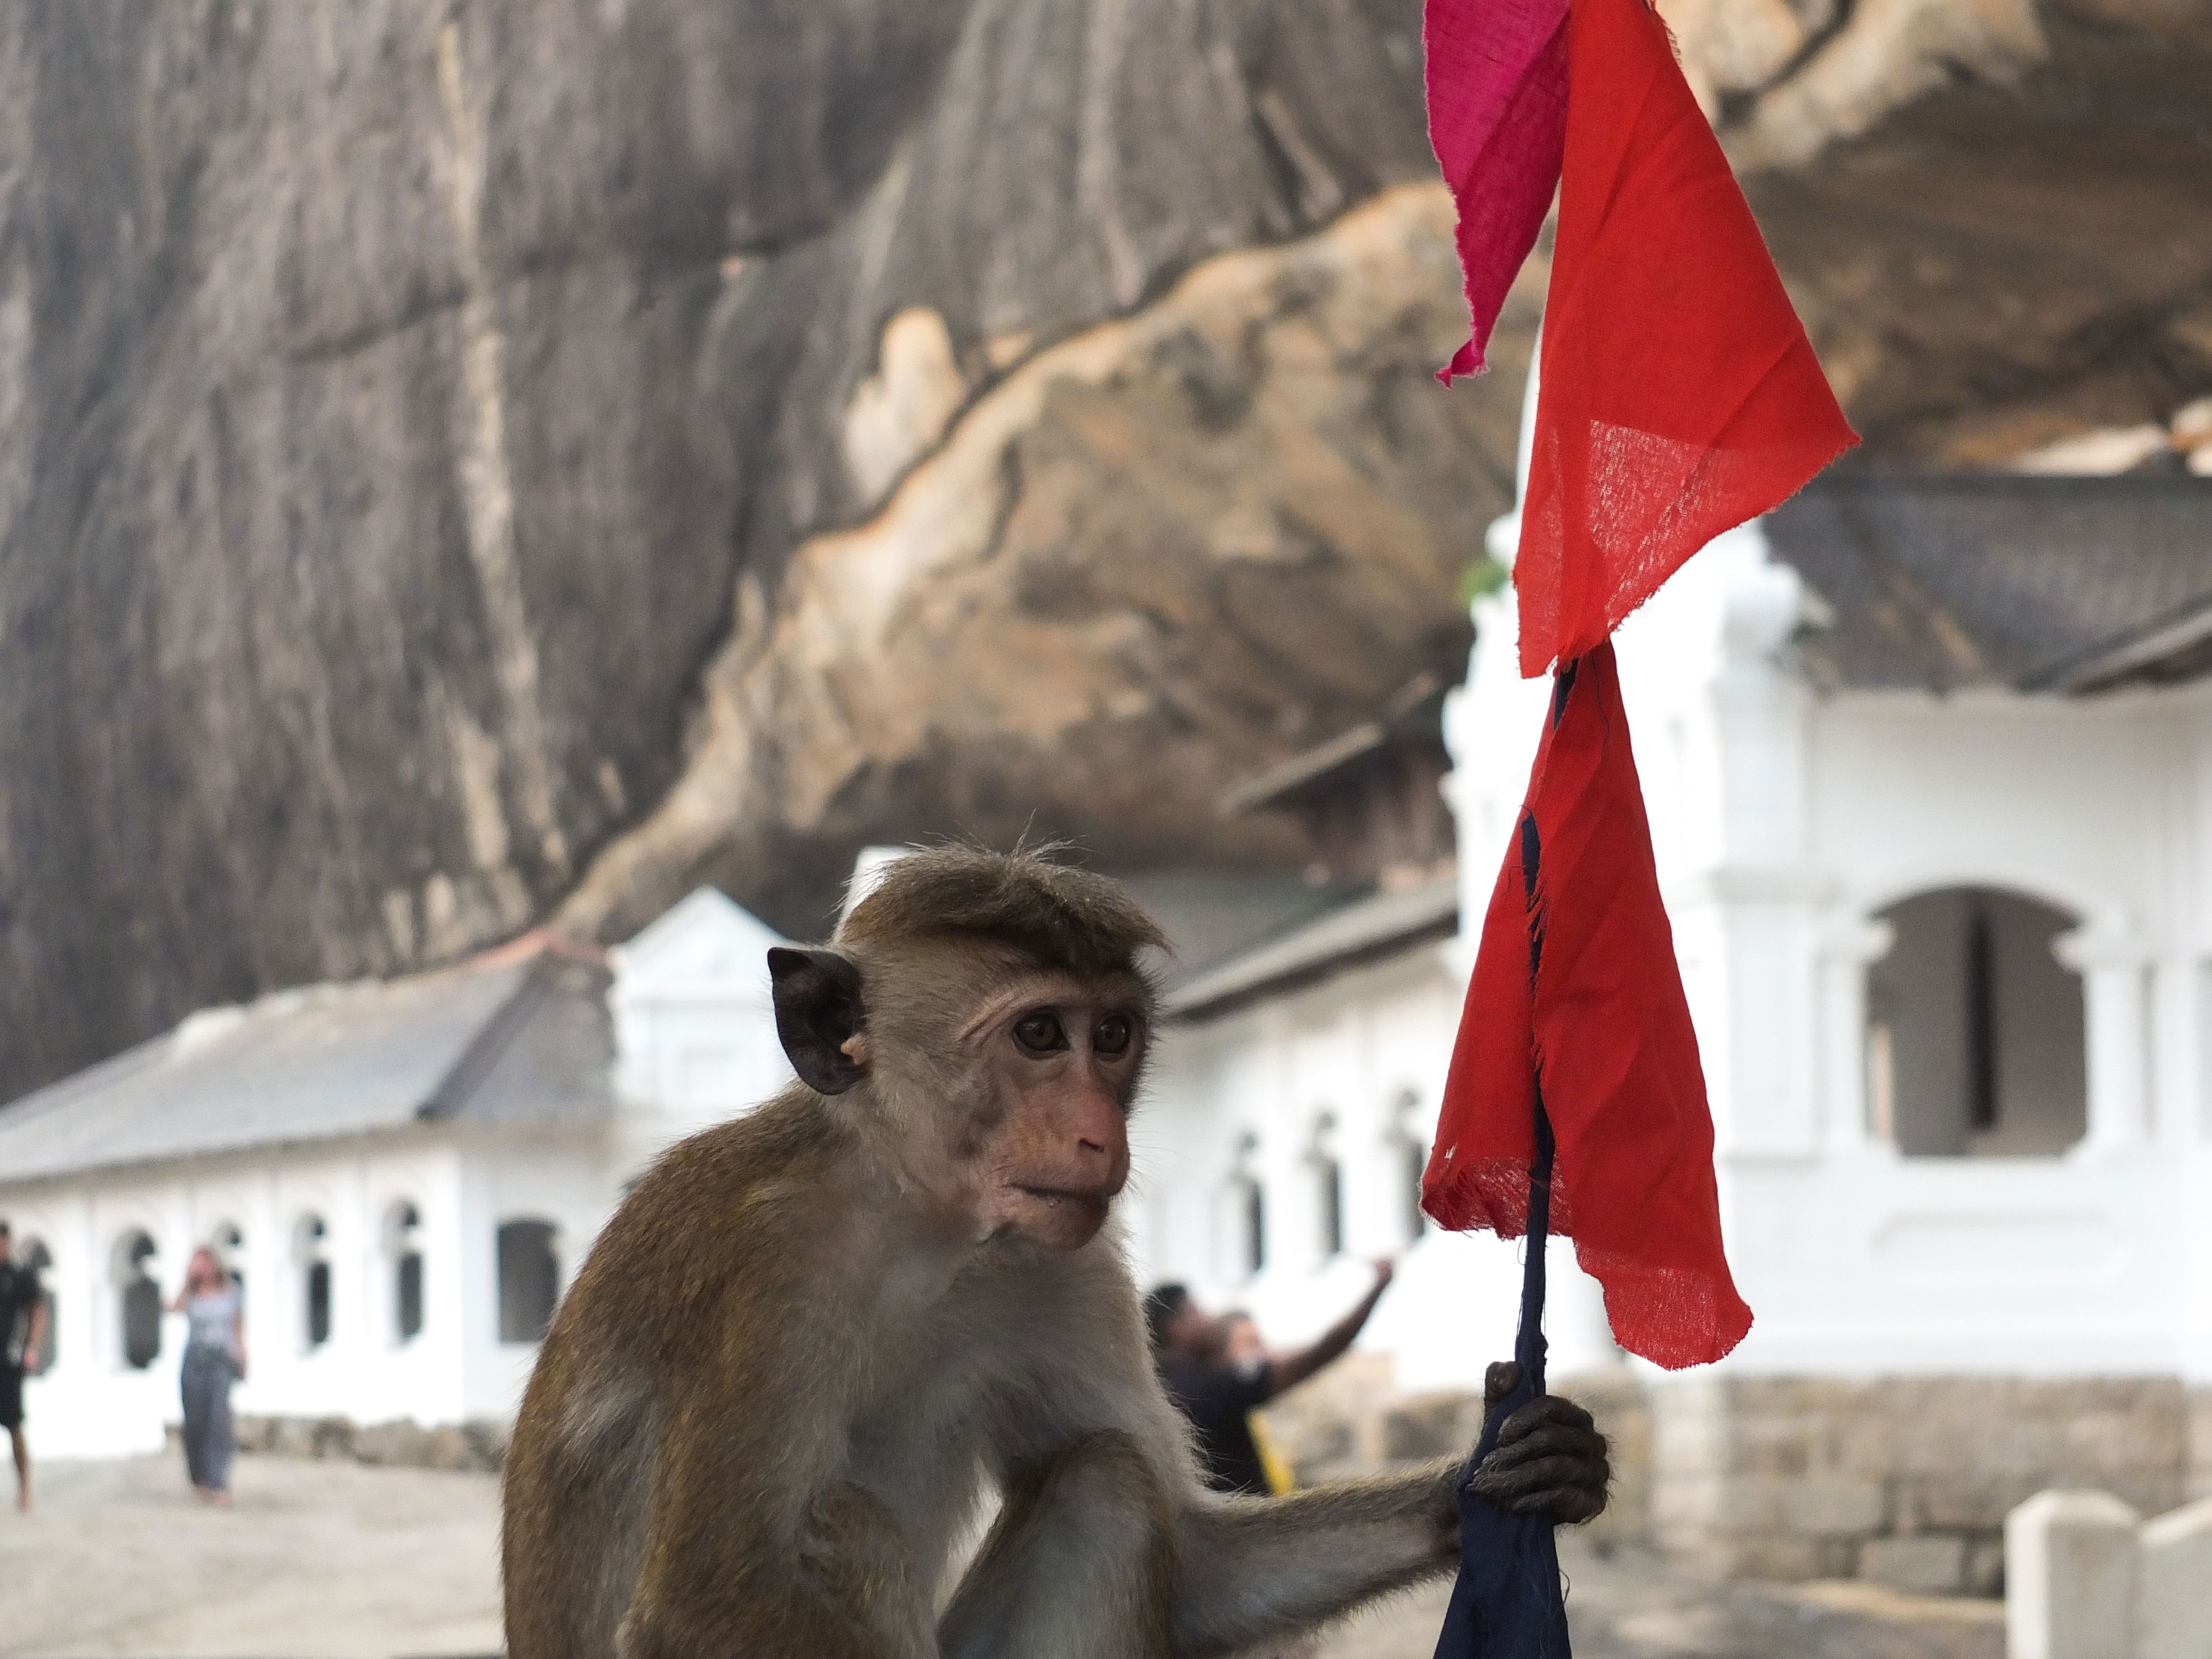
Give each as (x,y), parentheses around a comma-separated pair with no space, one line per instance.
(22,1338)
(1217,1392)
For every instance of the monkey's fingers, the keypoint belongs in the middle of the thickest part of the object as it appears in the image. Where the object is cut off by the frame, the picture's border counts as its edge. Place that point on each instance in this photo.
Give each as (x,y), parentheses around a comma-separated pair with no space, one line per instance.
(1500,1380)
(1567,1488)
(1543,1412)
(1564,1506)
(1552,1440)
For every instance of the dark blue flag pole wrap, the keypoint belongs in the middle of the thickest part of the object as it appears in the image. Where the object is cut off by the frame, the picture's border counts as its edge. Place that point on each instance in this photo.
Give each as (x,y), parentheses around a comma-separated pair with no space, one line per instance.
(1509,1602)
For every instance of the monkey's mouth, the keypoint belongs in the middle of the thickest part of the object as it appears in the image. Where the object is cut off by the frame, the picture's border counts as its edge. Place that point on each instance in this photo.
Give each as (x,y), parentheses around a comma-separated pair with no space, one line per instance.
(1095,1198)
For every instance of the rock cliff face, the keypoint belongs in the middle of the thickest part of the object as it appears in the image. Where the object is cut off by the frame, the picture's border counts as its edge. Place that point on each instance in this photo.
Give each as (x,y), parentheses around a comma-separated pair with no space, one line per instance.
(464,462)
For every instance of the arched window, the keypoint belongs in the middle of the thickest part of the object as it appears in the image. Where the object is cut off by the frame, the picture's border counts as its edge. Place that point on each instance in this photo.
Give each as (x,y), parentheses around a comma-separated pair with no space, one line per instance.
(1328,1188)
(1975,1030)
(403,1249)
(137,1299)
(529,1280)
(228,1241)
(1241,1220)
(311,1255)
(33,1254)
(1409,1148)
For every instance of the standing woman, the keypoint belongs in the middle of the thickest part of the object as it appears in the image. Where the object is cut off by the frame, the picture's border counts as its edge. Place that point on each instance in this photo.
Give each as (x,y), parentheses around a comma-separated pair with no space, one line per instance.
(215,1357)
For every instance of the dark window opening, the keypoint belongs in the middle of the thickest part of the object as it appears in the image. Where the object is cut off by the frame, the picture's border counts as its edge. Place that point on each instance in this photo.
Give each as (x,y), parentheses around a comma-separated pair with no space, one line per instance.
(314,1283)
(529,1280)
(140,1301)
(1411,1148)
(1327,1173)
(408,1317)
(1415,1159)
(319,1304)
(229,1244)
(1332,1208)
(402,1238)
(1981,1022)
(1976,1031)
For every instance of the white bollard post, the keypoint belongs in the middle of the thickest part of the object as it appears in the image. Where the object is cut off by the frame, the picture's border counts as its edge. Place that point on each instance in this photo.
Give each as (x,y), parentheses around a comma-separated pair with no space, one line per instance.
(2070,1578)
(2173,1615)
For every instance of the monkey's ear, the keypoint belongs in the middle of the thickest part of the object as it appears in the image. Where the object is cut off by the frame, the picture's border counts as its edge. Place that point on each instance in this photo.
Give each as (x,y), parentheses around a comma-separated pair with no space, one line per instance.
(817,1010)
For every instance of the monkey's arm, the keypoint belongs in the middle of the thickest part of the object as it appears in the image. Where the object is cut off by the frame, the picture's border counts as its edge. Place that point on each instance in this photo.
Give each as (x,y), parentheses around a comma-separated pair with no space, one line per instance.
(1254,1568)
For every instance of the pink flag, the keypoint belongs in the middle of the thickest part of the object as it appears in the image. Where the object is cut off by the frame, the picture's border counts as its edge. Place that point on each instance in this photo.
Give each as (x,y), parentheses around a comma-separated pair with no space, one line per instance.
(1497,121)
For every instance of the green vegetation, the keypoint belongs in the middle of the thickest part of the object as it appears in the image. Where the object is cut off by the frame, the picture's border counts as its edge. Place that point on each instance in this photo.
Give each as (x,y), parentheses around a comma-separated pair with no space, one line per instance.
(1480,579)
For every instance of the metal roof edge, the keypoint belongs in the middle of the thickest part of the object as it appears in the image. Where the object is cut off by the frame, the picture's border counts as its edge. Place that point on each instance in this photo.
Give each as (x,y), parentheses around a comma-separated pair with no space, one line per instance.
(1296,958)
(2134,650)
(480,1057)
(50,1097)
(289,1143)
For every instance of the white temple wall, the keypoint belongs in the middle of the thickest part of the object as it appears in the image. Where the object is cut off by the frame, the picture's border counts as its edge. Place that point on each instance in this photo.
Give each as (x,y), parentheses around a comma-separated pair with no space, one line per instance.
(1245,1096)
(1869,1262)
(92,1402)
(1784,821)
(567,1182)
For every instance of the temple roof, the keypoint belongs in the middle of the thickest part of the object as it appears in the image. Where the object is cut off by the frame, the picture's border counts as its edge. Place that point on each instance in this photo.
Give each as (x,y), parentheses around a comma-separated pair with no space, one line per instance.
(2034,583)
(1343,934)
(510,1037)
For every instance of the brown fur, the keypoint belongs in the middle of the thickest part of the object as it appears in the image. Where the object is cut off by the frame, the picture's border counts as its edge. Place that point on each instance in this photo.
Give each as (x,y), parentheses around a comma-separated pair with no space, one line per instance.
(1054,914)
(809,1338)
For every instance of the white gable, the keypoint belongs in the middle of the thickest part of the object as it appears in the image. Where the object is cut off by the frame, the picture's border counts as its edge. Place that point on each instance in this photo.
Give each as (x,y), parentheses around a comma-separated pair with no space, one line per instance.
(707,945)
(694,1024)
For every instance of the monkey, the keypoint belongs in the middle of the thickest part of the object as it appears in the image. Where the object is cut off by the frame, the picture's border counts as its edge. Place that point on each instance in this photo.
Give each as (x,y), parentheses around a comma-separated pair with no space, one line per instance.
(812,1341)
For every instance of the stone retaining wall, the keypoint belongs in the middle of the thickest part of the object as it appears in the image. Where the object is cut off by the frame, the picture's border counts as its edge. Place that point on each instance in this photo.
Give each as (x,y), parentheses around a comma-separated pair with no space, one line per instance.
(1906,1481)
(1903,1480)
(474,1445)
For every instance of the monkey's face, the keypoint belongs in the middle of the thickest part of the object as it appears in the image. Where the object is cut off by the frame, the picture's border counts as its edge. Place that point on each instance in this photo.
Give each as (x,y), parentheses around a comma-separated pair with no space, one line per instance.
(1000,1088)
(1053,1064)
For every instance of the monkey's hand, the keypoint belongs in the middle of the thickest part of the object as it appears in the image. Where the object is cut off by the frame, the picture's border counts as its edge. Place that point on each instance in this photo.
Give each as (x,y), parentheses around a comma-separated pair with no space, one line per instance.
(1549,1459)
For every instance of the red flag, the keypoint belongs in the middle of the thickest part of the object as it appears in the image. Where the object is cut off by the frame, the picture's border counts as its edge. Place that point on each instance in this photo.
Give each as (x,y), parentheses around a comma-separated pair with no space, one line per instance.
(1678,398)
(1575,986)
(1498,114)
(1680,395)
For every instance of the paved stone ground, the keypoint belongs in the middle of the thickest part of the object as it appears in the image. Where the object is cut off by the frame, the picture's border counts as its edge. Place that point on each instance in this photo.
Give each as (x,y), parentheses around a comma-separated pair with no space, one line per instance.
(1627,1605)
(316,1561)
(338,1561)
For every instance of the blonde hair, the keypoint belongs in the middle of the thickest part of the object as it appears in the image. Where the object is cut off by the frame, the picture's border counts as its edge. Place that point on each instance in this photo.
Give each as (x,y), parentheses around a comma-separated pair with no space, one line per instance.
(220,1273)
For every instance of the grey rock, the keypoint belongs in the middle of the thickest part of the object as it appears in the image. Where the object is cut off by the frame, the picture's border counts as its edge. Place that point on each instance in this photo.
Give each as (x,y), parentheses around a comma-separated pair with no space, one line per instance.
(412,416)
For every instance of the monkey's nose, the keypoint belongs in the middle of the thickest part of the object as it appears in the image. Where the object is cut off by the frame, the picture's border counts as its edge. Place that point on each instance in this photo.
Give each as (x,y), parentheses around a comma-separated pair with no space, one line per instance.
(1101,1141)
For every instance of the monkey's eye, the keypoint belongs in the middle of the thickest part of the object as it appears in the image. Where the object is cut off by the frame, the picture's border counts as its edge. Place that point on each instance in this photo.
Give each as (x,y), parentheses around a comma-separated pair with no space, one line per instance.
(1041,1033)
(1113,1035)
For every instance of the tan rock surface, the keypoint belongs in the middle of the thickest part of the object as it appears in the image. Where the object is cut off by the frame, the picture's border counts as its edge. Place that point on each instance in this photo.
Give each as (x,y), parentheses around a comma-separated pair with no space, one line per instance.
(1165,548)
(461,464)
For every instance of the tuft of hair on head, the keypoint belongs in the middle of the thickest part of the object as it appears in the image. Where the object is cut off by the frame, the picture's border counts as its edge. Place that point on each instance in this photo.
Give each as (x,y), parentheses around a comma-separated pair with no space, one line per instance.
(1062,916)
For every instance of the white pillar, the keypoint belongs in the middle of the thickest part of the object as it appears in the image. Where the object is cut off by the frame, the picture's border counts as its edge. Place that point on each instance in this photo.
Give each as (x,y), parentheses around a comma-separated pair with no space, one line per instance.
(2174,1606)
(1847,948)
(2070,1578)
(2112,962)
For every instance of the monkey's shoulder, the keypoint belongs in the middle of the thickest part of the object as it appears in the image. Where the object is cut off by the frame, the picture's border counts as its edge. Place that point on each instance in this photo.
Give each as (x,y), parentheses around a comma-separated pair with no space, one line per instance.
(734,1202)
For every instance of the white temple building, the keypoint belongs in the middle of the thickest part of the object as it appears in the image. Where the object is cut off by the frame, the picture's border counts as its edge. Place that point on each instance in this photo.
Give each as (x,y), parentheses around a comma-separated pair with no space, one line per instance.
(404,1175)
(1928,765)
(1939,865)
